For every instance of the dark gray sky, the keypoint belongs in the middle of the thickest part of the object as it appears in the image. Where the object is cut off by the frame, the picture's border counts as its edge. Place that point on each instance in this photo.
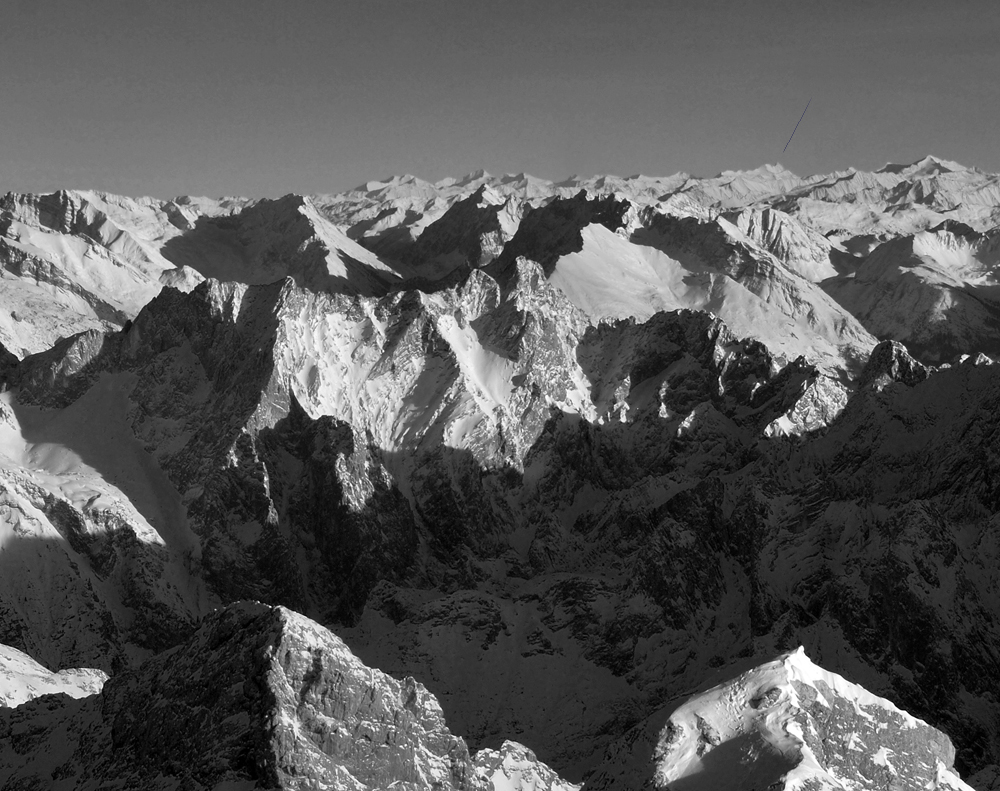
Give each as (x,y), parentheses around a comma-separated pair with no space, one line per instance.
(264,98)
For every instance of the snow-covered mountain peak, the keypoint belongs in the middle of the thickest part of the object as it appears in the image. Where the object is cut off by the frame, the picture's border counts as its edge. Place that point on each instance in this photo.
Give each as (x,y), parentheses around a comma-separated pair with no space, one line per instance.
(927,166)
(560,451)
(475,176)
(790,724)
(395,187)
(777,170)
(514,767)
(486,195)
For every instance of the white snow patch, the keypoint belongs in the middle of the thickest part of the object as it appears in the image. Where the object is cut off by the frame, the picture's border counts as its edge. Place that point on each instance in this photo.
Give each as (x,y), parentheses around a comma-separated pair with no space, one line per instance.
(22,679)
(747,732)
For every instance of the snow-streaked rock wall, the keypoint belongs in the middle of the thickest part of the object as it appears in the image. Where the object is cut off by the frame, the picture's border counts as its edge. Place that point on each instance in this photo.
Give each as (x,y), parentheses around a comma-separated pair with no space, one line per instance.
(561,451)
(256,697)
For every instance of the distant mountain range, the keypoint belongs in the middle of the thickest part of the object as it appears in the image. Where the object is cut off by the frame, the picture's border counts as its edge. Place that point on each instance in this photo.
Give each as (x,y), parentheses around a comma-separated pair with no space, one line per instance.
(565,453)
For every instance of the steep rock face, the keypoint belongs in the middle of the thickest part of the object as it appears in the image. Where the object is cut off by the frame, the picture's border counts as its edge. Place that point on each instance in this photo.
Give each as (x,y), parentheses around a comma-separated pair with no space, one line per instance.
(483,488)
(310,471)
(882,535)
(558,507)
(792,725)
(257,695)
(263,697)
(890,362)
(665,367)
(855,552)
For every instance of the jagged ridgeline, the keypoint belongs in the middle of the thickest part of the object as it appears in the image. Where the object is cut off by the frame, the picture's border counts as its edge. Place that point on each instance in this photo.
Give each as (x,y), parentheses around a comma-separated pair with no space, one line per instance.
(565,454)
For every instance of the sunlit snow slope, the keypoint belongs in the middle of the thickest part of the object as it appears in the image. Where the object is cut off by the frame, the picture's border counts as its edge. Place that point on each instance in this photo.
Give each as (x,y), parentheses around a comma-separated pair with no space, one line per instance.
(563,452)
(791,725)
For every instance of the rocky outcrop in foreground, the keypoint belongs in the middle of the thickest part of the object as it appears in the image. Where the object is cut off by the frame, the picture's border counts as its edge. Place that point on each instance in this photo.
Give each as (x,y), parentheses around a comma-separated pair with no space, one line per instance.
(564,452)
(262,697)
(257,695)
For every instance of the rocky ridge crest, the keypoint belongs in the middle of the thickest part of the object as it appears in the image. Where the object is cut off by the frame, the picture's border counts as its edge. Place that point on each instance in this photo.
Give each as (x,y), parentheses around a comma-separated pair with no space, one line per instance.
(559,451)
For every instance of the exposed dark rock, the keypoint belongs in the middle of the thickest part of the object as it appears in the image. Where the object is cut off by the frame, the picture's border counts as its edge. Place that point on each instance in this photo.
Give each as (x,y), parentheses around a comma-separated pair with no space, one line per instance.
(257,694)
(890,362)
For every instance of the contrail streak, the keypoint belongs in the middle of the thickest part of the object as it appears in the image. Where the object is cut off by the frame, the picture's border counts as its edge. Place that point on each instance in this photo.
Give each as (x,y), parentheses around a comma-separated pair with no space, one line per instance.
(797,125)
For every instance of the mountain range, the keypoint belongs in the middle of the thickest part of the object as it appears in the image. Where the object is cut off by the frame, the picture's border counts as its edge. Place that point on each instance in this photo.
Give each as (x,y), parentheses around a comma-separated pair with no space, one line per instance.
(589,460)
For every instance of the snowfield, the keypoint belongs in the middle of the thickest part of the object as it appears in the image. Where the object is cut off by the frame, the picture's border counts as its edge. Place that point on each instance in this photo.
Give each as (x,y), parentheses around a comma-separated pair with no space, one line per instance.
(569,454)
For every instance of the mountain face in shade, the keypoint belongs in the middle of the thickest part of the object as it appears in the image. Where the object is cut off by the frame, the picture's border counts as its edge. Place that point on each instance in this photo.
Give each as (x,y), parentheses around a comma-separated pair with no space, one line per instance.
(257,697)
(562,452)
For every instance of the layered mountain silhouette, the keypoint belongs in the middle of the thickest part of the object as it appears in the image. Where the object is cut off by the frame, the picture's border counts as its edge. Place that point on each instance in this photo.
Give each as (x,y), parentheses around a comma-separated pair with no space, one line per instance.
(565,453)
